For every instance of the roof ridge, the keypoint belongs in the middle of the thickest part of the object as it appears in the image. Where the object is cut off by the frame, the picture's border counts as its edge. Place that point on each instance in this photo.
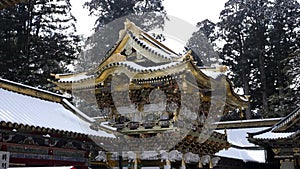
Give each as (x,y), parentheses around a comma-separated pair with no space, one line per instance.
(130,26)
(31,91)
(286,119)
(138,43)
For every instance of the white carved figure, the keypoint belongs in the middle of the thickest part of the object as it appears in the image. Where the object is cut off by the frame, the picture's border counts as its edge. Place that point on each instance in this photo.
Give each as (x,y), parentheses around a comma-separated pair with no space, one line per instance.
(149,155)
(175,155)
(101,156)
(215,161)
(191,158)
(164,155)
(114,156)
(205,159)
(131,156)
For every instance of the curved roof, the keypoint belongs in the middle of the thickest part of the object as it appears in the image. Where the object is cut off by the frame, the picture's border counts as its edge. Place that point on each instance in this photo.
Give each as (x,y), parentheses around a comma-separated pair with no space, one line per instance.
(285,132)
(158,62)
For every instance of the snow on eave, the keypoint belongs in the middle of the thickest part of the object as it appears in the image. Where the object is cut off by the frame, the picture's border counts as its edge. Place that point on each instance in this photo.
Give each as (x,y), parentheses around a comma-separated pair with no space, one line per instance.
(105,125)
(11,83)
(76,78)
(78,112)
(137,31)
(212,74)
(239,136)
(153,53)
(137,67)
(274,136)
(160,45)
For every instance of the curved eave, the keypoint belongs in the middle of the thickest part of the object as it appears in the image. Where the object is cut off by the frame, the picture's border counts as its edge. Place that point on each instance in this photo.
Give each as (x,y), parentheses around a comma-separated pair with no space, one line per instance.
(67,75)
(271,142)
(280,126)
(232,98)
(288,121)
(41,129)
(198,145)
(108,58)
(116,68)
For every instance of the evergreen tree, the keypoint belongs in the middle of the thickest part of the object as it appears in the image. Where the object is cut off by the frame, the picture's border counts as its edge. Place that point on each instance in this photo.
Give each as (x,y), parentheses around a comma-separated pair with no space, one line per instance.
(234,31)
(107,10)
(261,38)
(147,14)
(37,38)
(202,44)
(283,50)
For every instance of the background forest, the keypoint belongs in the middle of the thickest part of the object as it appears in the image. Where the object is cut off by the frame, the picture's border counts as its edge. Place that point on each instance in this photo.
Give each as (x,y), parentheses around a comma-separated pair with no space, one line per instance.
(260,44)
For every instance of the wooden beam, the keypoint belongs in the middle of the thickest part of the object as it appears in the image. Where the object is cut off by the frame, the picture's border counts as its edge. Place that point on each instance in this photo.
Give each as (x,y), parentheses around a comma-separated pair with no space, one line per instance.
(247,123)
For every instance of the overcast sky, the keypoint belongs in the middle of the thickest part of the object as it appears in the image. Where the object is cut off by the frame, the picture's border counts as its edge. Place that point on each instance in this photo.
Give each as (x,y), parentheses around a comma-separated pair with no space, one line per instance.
(191,11)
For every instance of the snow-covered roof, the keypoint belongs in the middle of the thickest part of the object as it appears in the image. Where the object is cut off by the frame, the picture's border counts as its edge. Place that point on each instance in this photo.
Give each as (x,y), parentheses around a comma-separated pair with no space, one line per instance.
(245,155)
(127,64)
(239,138)
(280,129)
(147,45)
(272,135)
(212,74)
(76,78)
(32,111)
(31,88)
(153,68)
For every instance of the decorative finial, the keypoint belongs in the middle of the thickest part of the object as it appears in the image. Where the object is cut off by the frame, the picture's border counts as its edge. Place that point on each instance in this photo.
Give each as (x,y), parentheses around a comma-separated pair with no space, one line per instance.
(130,26)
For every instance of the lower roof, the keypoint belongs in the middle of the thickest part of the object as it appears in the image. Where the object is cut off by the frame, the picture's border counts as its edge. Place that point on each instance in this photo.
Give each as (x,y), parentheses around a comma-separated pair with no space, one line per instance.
(241,148)
(33,111)
(245,155)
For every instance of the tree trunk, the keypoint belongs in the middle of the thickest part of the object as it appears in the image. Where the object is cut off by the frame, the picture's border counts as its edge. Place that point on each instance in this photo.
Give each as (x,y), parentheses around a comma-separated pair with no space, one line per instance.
(263,80)
(245,78)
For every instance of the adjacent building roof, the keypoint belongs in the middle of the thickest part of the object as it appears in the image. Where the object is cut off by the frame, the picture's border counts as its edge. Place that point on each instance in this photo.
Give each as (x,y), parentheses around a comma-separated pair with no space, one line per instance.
(24,105)
(286,131)
(241,148)
(245,155)
(285,128)
(244,141)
